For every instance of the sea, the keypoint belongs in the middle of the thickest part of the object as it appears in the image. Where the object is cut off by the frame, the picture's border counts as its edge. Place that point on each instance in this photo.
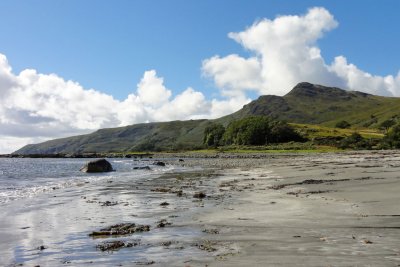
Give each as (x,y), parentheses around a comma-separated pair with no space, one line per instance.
(48,208)
(29,177)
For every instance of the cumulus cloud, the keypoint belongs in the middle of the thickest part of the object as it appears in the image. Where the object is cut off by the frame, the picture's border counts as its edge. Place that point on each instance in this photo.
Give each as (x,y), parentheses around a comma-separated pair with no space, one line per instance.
(285,52)
(35,107)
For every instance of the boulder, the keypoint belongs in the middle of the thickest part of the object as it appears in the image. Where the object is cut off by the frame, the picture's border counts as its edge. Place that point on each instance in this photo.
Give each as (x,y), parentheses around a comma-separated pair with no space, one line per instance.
(142,168)
(100,165)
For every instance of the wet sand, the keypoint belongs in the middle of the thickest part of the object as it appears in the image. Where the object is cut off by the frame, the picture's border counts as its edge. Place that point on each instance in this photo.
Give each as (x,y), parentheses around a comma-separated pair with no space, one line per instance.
(258,210)
(310,210)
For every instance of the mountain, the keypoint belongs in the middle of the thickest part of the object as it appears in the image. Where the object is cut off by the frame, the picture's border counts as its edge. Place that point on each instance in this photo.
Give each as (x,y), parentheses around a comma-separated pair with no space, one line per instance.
(305,103)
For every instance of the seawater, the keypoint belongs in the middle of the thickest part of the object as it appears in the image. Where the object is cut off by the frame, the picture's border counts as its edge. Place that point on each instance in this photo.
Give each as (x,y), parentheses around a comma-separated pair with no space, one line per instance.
(49,203)
(29,177)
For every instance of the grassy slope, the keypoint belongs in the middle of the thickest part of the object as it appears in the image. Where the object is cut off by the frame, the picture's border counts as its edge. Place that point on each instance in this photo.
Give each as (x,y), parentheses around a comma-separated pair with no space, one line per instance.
(308,104)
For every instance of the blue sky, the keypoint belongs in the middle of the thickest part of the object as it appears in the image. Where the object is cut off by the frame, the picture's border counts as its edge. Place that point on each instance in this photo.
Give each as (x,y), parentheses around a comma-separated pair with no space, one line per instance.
(107,45)
(71,67)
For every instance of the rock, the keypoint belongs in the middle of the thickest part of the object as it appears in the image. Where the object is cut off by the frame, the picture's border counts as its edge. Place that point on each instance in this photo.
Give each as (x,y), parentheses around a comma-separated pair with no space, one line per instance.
(100,165)
(159,163)
(163,223)
(120,229)
(164,204)
(115,245)
(199,195)
(142,168)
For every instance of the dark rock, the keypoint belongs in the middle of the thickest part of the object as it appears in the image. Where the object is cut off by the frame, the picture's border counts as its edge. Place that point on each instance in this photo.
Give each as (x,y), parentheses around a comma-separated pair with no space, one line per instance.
(142,168)
(163,223)
(199,195)
(159,163)
(120,229)
(41,247)
(100,165)
(164,204)
(115,245)
(109,203)
(181,160)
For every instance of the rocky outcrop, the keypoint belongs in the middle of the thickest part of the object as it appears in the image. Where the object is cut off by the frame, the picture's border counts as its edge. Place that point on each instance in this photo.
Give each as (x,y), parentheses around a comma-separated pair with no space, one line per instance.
(100,165)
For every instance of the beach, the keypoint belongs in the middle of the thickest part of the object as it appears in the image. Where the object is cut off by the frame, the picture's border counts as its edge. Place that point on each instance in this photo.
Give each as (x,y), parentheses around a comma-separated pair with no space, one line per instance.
(317,209)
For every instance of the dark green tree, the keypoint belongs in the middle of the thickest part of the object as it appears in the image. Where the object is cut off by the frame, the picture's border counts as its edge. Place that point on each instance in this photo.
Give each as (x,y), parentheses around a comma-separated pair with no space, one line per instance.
(253,130)
(385,125)
(343,125)
(281,132)
(392,137)
(213,134)
(355,141)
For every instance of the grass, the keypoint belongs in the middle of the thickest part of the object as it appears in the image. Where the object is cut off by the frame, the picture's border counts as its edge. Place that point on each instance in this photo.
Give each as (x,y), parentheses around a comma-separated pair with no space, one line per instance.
(311,131)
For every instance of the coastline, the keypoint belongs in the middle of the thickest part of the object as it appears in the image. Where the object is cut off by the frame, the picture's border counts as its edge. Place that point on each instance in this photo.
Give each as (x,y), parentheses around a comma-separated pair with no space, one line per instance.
(260,210)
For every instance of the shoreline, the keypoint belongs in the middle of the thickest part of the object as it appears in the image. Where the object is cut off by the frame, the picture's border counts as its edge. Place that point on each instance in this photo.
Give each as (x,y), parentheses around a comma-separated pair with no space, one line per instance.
(294,209)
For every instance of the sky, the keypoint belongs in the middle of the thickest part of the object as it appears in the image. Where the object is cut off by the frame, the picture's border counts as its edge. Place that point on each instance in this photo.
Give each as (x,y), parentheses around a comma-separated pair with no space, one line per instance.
(72,67)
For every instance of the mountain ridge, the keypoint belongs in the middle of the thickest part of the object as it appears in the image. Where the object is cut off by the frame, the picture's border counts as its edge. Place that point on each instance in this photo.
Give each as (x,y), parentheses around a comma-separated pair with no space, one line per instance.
(305,103)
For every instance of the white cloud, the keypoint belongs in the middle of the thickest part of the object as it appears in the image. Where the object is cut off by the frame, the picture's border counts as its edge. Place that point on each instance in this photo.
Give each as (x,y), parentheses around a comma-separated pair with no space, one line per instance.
(151,89)
(35,107)
(285,52)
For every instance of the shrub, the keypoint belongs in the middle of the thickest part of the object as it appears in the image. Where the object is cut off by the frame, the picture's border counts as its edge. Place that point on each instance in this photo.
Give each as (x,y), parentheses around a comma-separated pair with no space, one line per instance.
(343,125)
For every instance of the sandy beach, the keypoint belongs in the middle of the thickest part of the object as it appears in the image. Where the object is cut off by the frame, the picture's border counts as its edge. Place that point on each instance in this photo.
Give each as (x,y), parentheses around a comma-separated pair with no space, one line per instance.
(331,209)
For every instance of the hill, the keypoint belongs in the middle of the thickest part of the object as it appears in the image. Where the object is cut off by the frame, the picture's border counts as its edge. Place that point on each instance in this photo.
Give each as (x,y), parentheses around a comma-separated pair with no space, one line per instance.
(305,104)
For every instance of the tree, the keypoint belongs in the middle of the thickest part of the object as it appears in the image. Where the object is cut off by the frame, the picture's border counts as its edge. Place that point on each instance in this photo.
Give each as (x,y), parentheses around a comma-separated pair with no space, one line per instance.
(213,134)
(259,130)
(355,141)
(392,137)
(253,130)
(281,132)
(343,125)
(385,125)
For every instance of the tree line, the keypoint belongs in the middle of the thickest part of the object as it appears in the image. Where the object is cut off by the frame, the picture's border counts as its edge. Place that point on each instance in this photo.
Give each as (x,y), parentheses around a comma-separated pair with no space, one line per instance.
(254,130)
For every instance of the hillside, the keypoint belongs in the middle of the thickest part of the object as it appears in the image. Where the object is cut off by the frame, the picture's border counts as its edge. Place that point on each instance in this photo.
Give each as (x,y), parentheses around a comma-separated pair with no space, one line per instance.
(305,104)
(316,104)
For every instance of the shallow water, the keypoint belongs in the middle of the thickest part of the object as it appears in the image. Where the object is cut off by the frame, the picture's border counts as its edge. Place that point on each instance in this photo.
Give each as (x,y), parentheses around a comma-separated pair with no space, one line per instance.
(50,203)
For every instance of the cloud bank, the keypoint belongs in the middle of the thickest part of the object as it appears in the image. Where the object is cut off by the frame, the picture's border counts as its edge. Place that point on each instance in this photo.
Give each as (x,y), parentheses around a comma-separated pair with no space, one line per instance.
(35,107)
(283,51)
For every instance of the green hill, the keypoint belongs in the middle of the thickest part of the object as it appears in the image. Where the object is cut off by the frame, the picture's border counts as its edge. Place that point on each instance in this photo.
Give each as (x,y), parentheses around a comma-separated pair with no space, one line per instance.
(305,104)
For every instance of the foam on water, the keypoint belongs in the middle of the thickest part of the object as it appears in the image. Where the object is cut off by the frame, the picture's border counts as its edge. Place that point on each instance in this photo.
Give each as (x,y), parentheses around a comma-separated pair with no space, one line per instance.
(22,178)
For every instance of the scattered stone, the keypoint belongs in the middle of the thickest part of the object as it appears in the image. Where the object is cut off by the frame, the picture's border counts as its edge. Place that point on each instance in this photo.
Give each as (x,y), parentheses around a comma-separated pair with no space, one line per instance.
(366,241)
(161,190)
(108,203)
(159,163)
(144,262)
(181,160)
(115,245)
(211,231)
(166,244)
(162,223)
(42,247)
(297,236)
(207,246)
(120,229)
(100,165)
(164,204)
(199,195)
